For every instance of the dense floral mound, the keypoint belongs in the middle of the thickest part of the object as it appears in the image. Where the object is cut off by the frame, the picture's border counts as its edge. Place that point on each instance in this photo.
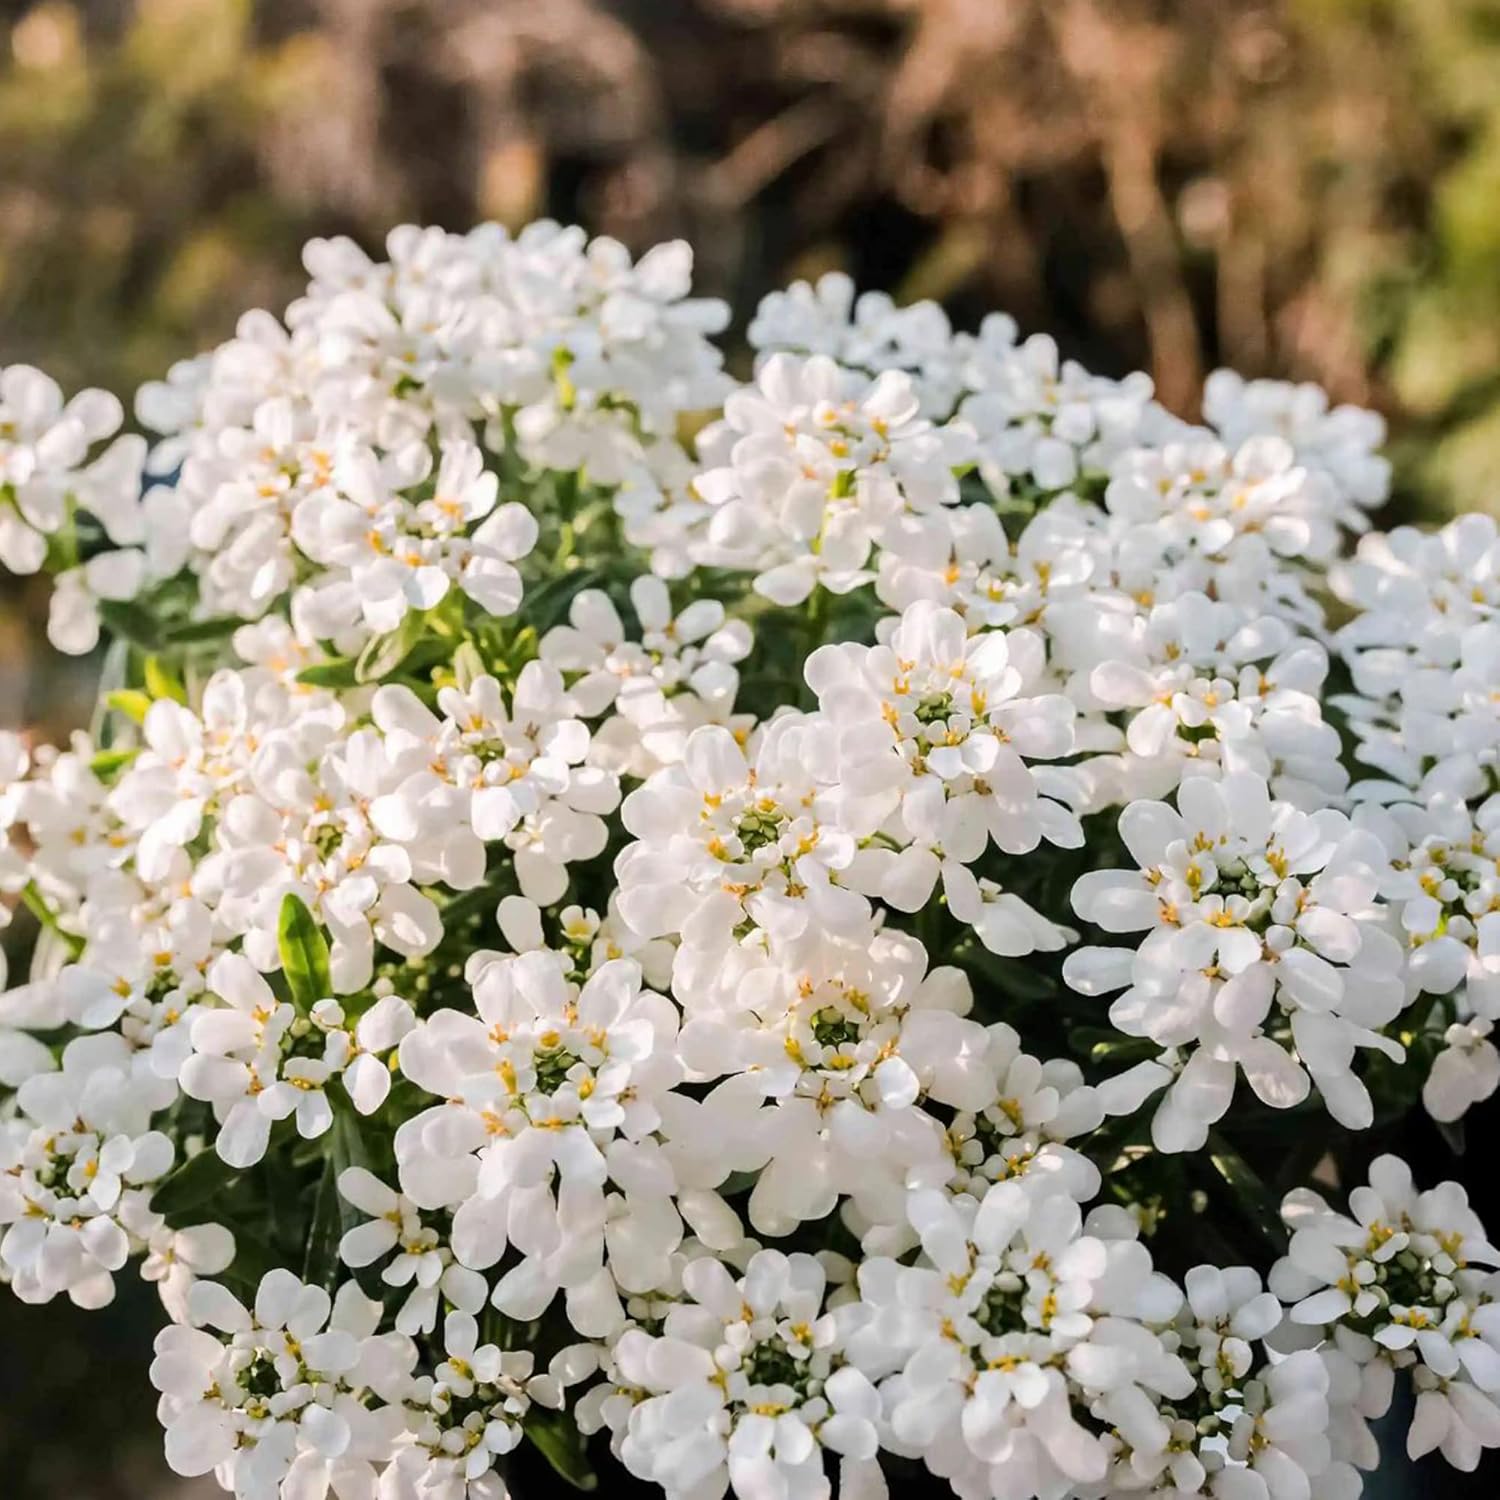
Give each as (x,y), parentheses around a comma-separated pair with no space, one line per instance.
(744,918)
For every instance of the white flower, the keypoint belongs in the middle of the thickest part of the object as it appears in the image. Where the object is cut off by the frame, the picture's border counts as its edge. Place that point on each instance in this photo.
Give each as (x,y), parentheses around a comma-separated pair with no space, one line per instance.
(1341,442)
(74,1161)
(73,614)
(1465,1073)
(1263,929)
(1021,1136)
(1281,1435)
(1454,1418)
(422,1260)
(437,625)
(1014,1324)
(1044,422)
(722,839)
(1195,515)
(390,552)
(311,833)
(848,1040)
(486,772)
(284,1399)
(1443,878)
(1216,690)
(872,334)
(745,1385)
(191,764)
(1423,650)
(1442,882)
(45,469)
(815,466)
(176,1259)
(678,676)
(1231,1312)
(1049,572)
(256,1060)
(935,731)
(1402,1282)
(556,1090)
(465,1415)
(689,648)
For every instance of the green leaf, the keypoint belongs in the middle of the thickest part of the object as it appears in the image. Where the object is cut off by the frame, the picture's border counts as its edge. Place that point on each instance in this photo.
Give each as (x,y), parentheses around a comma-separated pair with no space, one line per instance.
(549,602)
(477,898)
(202,632)
(1249,1193)
(385,653)
(562,1445)
(107,764)
(337,673)
(304,953)
(1103,1044)
(1014,978)
(162,681)
(193,1185)
(132,622)
(36,903)
(131,702)
(320,1265)
(333,1217)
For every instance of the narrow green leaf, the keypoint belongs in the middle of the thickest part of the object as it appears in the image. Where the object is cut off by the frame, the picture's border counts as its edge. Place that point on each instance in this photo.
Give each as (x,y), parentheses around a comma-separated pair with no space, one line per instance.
(562,1445)
(1100,1043)
(36,903)
(162,681)
(202,632)
(337,673)
(1249,1193)
(1014,978)
(549,602)
(131,702)
(304,953)
(333,1216)
(194,1184)
(385,653)
(107,764)
(352,1151)
(320,1265)
(132,622)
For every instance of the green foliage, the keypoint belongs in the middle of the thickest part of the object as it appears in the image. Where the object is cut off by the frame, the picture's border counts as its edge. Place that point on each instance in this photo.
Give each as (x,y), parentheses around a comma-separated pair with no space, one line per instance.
(304,954)
(189,1195)
(385,653)
(131,702)
(562,1445)
(332,1215)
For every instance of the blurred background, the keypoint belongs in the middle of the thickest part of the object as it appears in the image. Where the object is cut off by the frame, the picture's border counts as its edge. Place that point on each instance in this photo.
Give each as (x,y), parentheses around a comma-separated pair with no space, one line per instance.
(1301,188)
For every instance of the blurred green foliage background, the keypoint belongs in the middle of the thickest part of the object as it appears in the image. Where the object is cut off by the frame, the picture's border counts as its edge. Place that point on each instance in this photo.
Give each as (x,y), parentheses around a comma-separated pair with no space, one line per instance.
(1304,188)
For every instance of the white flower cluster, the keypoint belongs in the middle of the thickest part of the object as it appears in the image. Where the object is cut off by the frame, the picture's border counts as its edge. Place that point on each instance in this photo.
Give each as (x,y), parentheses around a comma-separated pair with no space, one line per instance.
(1423,654)
(336,465)
(1406,1280)
(50,488)
(616,923)
(1267,952)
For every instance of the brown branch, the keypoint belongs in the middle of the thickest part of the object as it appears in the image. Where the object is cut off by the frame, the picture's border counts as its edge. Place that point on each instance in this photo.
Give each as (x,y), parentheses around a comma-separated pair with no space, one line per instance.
(774,147)
(1119,104)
